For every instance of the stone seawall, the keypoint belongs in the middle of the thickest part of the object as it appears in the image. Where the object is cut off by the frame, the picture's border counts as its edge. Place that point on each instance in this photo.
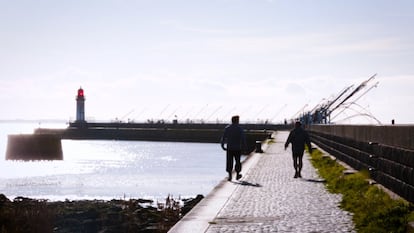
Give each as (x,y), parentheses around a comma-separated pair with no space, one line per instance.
(153,134)
(386,151)
(45,144)
(34,147)
(391,135)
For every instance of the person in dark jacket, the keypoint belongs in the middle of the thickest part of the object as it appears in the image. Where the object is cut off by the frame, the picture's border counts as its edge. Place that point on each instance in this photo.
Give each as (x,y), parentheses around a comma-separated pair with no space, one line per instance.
(298,137)
(235,141)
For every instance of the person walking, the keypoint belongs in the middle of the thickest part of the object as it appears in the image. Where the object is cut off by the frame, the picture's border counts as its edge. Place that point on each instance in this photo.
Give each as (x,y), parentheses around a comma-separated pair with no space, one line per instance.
(235,141)
(298,137)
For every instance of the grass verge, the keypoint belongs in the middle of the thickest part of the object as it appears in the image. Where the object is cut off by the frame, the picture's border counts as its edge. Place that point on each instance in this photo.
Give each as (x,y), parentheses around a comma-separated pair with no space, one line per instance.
(373,210)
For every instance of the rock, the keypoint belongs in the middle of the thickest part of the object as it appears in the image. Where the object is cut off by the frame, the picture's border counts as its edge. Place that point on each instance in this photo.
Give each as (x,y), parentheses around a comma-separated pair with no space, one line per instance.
(145,201)
(135,215)
(190,203)
(72,224)
(90,226)
(3,200)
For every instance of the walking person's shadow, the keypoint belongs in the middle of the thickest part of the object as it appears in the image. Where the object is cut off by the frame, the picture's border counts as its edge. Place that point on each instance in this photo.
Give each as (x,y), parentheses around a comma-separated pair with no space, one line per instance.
(247,183)
(314,180)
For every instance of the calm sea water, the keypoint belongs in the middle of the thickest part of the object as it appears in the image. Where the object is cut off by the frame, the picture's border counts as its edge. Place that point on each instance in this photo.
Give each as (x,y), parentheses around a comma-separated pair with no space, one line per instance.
(98,169)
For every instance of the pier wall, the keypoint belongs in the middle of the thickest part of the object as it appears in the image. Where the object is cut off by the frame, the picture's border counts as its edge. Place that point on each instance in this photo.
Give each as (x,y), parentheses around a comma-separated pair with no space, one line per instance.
(205,126)
(34,147)
(386,151)
(158,132)
(401,136)
(46,144)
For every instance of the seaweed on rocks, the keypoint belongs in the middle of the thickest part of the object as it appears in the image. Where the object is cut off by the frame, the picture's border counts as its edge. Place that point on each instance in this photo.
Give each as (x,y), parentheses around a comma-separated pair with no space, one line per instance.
(90,216)
(190,203)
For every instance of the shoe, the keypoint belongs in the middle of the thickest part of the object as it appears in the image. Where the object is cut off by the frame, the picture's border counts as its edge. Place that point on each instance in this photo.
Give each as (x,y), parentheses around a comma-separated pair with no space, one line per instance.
(296,175)
(229,179)
(299,175)
(238,176)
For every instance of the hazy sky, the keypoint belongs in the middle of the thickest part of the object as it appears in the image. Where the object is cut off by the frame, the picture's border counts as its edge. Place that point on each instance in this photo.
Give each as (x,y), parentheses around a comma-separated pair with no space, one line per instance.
(262,59)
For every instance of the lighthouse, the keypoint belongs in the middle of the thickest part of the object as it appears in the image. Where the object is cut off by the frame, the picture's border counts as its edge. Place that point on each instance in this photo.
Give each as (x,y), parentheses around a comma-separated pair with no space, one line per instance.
(80,106)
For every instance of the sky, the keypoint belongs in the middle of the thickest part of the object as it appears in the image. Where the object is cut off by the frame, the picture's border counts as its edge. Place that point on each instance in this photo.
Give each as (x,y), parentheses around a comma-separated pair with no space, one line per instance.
(265,60)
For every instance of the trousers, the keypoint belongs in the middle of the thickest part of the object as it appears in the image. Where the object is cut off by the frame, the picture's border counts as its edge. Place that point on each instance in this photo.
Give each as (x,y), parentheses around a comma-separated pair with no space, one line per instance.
(233,155)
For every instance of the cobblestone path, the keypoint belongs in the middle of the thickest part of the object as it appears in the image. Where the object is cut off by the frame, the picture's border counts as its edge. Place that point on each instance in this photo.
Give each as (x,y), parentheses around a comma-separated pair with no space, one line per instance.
(269,199)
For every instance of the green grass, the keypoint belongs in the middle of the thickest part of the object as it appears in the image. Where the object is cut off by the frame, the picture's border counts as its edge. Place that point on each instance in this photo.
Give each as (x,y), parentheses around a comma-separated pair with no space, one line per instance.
(373,210)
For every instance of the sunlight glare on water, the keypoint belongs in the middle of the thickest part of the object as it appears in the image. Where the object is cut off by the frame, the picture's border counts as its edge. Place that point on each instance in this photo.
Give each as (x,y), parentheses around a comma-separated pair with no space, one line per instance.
(98,169)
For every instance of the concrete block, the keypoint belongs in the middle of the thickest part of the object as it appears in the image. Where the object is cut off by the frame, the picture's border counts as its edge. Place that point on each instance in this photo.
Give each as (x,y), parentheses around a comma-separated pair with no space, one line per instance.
(34,147)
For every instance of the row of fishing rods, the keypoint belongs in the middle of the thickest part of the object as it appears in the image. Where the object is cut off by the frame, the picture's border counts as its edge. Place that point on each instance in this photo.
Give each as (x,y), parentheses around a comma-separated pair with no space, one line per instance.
(328,110)
(207,113)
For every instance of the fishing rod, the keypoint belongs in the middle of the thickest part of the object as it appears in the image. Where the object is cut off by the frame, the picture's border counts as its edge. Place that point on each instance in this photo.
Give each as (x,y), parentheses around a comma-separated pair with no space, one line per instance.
(123,117)
(361,86)
(345,90)
(214,112)
(278,112)
(354,102)
(300,110)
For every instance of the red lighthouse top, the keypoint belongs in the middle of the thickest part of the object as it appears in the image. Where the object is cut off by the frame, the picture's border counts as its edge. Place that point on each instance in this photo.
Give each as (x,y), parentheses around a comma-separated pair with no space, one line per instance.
(80,92)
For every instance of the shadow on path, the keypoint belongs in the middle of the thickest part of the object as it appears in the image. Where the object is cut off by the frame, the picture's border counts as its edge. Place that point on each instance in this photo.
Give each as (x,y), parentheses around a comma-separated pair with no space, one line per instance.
(314,180)
(247,183)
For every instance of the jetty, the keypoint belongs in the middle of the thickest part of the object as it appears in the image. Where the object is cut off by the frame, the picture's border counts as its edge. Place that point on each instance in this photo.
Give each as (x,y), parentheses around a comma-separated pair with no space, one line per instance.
(45,143)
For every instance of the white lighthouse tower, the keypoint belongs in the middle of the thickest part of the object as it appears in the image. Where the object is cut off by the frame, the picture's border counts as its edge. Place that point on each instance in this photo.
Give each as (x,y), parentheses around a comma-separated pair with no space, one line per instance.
(80,106)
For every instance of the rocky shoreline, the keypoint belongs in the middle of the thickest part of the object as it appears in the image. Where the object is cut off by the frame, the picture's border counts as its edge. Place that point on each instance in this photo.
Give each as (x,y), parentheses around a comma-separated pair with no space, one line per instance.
(91,216)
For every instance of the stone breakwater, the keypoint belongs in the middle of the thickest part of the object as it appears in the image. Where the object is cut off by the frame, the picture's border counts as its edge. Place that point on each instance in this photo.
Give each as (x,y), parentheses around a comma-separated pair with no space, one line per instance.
(45,144)
(135,215)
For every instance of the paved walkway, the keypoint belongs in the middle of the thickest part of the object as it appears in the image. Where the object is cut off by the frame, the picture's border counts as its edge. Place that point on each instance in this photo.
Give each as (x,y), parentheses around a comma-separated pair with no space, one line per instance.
(269,199)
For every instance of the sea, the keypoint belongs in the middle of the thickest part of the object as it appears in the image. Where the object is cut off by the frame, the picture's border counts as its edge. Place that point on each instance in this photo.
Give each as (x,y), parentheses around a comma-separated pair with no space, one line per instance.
(111,169)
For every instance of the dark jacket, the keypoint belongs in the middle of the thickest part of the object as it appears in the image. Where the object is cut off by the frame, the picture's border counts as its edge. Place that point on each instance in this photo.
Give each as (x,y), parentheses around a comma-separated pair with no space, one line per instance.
(234,137)
(298,137)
